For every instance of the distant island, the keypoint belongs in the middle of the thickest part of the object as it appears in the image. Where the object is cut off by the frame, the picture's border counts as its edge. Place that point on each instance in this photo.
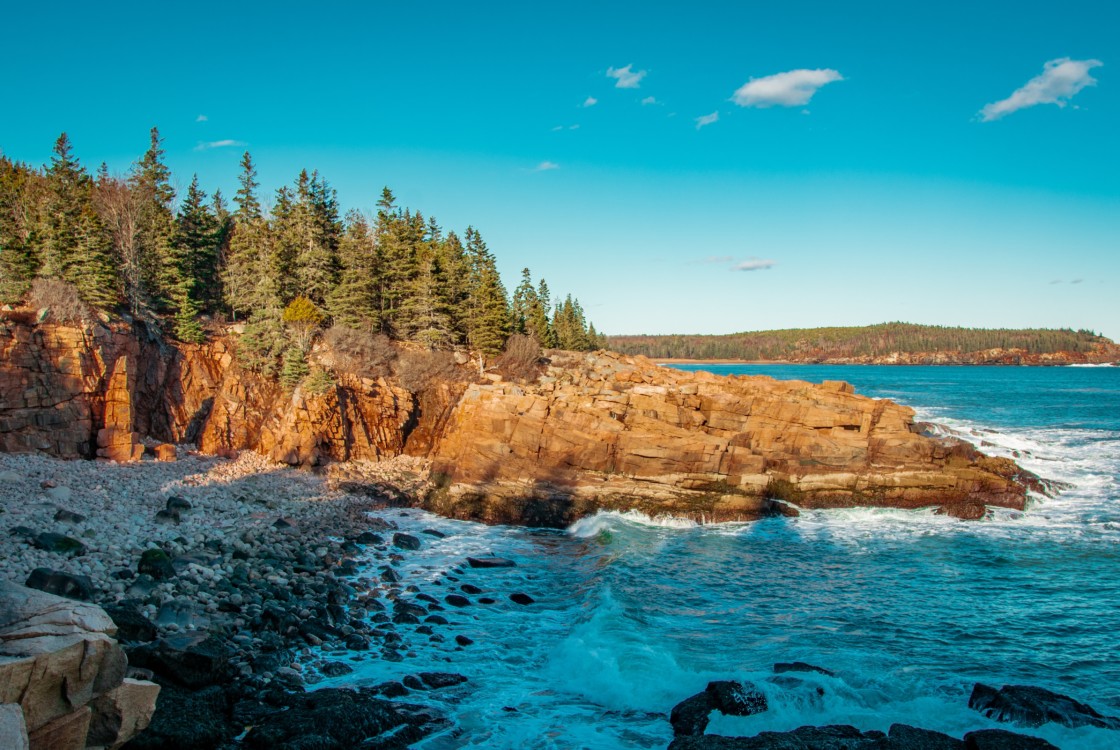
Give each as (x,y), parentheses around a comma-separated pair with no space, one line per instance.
(885,343)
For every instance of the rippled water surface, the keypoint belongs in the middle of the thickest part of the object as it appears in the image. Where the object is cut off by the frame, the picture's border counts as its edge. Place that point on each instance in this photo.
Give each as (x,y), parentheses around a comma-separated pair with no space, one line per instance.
(908,609)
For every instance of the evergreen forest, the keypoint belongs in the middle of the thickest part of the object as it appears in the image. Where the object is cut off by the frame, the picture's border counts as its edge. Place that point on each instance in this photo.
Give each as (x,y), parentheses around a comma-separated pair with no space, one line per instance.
(819,344)
(129,245)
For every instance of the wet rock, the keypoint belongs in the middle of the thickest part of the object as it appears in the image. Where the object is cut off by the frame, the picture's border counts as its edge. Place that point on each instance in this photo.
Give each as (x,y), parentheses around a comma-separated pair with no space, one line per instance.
(1001,739)
(405,541)
(412,682)
(487,600)
(436,680)
(522,599)
(368,537)
(455,600)
(490,562)
(467,588)
(690,717)
(157,564)
(67,516)
(60,543)
(391,689)
(1030,706)
(61,584)
(905,737)
(131,624)
(336,669)
(390,575)
(800,666)
(966,511)
(195,660)
(186,719)
(338,719)
(463,640)
(436,619)
(735,698)
(434,533)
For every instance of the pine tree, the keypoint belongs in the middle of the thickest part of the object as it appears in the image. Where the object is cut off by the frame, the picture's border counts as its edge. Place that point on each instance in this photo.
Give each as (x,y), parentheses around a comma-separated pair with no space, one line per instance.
(354,301)
(523,298)
(488,309)
(194,255)
(248,244)
(20,202)
(542,326)
(151,188)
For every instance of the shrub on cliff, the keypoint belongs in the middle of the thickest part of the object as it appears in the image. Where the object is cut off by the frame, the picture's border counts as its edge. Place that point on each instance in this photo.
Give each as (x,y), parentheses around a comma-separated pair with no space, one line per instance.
(421,369)
(59,301)
(359,352)
(294,369)
(302,317)
(521,359)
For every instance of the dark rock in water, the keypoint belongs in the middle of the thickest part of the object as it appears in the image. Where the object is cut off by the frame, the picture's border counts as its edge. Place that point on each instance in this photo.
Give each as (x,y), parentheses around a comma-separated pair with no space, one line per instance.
(905,737)
(391,689)
(1001,739)
(455,600)
(61,584)
(836,737)
(168,517)
(347,568)
(336,669)
(184,719)
(690,717)
(412,682)
(389,575)
(157,564)
(178,503)
(463,640)
(400,606)
(368,537)
(490,562)
(194,661)
(60,543)
(339,719)
(433,532)
(467,588)
(486,600)
(67,516)
(800,666)
(1030,706)
(437,680)
(131,624)
(427,598)
(357,642)
(522,599)
(436,619)
(736,698)
(405,541)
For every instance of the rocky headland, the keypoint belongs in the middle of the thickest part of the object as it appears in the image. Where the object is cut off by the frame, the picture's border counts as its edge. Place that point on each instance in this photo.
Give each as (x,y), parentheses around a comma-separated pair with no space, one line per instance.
(236,582)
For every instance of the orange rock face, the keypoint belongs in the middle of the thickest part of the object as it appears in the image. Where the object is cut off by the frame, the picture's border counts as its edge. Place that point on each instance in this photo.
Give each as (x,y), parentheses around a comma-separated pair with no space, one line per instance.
(608,431)
(596,431)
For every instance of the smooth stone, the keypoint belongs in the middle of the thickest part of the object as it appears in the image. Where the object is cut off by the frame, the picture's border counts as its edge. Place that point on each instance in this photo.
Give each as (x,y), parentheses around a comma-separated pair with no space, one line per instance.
(490,562)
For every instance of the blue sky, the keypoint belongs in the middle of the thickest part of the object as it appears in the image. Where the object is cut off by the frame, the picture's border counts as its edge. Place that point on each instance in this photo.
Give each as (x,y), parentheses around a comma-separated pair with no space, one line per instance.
(707,168)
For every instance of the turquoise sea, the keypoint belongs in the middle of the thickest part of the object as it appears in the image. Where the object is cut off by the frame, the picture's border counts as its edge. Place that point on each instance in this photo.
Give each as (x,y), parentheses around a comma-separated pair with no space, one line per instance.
(908,609)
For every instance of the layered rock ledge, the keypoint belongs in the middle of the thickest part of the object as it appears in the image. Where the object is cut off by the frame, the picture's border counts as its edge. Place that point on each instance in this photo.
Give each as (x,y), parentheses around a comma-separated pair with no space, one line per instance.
(606,431)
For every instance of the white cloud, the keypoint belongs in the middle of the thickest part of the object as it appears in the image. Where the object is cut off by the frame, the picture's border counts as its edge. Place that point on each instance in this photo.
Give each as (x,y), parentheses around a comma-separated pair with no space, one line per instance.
(201,118)
(720,259)
(626,78)
(753,264)
(1060,79)
(649,100)
(545,166)
(574,127)
(707,119)
(794,88)
(227,143)
(557,128)
(590,102)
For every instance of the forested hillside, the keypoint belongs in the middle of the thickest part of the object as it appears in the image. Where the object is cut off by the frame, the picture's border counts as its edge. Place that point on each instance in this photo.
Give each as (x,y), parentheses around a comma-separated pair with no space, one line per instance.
(130,244)
(866,342)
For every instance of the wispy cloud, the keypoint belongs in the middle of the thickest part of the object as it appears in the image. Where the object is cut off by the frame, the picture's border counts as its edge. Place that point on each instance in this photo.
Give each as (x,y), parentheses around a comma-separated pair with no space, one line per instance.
(794,88)
(720,259)
(545,166)
(626,78)
(559,128)
(1059,81)
(201,118)
(589,102)
(227,143)
(649,100)
(707,119)
(753,264)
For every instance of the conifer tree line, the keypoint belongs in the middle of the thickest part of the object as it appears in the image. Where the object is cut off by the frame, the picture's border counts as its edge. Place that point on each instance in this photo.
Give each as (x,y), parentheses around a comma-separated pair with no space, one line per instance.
(125,243)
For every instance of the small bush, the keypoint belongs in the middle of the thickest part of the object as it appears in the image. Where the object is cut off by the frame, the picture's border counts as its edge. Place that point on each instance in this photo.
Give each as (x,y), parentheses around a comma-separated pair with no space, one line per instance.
(60,301)
(318,382)
(261,345)
(420,369)
(294,368)
(521,359)
(363,354)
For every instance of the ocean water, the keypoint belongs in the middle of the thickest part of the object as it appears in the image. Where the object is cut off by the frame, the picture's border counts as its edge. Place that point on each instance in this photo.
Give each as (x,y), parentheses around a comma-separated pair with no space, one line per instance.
(908,609)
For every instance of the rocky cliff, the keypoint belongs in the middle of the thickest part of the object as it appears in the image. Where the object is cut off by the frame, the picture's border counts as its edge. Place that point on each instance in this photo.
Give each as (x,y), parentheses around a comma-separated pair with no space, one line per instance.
(594,431)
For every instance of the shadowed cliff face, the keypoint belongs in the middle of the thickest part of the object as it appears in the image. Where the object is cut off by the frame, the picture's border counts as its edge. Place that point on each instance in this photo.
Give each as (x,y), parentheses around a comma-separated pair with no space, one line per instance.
(596,431)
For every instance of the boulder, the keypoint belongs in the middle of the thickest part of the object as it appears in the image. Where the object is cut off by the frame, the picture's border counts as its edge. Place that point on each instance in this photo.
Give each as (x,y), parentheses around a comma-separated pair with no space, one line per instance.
(156,563)
(405,541)
(905,737)
(122,713)
(166,452)
(59,543)
(193,660)
(490,562)
(13,729)
(1001,739)
(1030,706)
(735,698)
(691,716)
(61,584)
